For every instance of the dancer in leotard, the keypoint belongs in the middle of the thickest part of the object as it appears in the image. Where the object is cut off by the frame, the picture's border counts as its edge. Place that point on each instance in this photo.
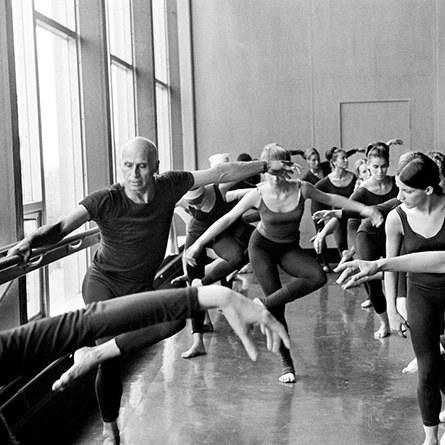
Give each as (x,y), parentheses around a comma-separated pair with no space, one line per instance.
(275,241)
(369,241)
(206,205)
(339,182)
(419,225)
(317,171)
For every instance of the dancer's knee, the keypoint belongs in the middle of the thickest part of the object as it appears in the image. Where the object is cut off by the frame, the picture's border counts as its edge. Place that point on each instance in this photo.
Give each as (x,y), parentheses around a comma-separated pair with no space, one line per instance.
(320,278)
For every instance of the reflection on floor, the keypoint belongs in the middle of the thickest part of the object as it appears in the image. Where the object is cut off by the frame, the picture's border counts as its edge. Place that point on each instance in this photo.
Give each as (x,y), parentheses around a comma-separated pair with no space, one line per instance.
(349,389)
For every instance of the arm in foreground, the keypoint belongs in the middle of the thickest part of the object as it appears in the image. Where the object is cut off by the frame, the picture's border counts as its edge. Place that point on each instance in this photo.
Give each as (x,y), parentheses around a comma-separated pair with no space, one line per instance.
(357,272)
(242,314)
(149,308)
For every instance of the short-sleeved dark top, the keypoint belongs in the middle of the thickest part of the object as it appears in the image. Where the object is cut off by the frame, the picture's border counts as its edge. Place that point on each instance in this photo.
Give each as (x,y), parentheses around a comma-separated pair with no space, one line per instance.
(325,185)
(134,236)
(368,198)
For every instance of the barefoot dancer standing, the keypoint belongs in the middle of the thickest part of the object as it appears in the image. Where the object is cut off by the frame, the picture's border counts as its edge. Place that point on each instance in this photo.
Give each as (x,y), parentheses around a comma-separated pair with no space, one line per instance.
(275,241)
(418,225)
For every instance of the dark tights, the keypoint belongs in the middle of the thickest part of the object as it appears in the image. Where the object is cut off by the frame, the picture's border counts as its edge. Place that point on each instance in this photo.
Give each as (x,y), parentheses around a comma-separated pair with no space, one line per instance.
(266,257)
(425,315)
(97,287)
(372,247)
(234,257)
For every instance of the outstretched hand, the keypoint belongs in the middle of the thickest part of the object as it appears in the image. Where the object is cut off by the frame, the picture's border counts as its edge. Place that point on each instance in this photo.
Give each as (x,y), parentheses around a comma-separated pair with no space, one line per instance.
(282,169)
(22,249)
(375,216)
(242,314)
(398,324)
(394,142)
(192,253)
(326,215)
(319,242)
(355,272)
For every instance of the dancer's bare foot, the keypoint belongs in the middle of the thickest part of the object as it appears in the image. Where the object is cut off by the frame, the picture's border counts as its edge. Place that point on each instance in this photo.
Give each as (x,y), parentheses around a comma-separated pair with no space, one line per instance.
(85,359)
(197,348)
(288,377)
(431,435)
(110,433)
(411,368)
(179,280)
(383,332)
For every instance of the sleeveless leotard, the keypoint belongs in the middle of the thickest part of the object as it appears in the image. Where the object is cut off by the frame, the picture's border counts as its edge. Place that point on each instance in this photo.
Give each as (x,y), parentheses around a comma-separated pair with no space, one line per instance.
(280,227)
(413,242)
(203,220)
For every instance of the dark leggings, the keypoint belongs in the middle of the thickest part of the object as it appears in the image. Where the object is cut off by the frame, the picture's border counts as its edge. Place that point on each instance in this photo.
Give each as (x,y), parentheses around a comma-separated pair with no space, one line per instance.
(97,287)
(341,235)
(266,257)
(232,251)
(372,247)
(425,315)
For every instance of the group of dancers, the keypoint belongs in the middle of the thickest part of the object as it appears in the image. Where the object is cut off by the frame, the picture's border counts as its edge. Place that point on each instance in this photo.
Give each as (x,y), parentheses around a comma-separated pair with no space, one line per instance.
(134,216)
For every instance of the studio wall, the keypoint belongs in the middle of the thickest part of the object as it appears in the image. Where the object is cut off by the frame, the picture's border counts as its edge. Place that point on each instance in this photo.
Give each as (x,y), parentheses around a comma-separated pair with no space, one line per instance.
(317,73)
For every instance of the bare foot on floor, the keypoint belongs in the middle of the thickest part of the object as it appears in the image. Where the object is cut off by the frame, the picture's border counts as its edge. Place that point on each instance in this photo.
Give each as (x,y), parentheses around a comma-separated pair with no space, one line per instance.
(383,332)
(289,377)
(85,359)
(197,348)
(411,368)
(194,351)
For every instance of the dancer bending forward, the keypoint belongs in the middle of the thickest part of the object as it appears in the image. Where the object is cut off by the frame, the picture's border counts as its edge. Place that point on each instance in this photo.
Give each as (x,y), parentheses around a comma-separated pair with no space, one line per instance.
(275,241)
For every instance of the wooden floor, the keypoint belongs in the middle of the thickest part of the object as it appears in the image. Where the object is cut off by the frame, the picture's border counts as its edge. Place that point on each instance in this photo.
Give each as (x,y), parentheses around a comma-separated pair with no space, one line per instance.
(349,389)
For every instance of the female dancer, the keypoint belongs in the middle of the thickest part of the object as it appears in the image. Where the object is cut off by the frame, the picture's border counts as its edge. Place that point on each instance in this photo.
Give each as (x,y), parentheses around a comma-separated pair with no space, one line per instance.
(339,182)
(370,243)
(275,241)
(418,225)
(317,171)
(208,204)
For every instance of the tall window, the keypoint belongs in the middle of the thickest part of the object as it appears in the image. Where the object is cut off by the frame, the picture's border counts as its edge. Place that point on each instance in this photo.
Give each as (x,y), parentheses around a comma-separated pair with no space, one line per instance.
(122,74)
(162,84)
(50,135)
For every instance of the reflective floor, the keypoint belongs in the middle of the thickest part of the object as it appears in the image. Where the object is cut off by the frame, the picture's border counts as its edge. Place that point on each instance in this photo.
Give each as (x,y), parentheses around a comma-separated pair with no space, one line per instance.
(349,389)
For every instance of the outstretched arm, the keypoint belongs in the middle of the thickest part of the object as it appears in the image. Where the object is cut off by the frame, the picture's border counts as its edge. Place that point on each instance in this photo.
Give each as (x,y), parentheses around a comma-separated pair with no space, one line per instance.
(242,314)
(338,201)
(50,234)
(236,171)
(356,272)
(320,237)
(34,345)
(248,202)
(394,238)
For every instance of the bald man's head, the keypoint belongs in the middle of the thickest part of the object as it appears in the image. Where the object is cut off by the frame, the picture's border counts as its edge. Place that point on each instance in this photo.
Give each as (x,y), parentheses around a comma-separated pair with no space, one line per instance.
(144,148)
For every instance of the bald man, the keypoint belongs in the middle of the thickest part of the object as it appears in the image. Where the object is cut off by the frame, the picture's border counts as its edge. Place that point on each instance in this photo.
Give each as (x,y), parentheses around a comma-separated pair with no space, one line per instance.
(134,219)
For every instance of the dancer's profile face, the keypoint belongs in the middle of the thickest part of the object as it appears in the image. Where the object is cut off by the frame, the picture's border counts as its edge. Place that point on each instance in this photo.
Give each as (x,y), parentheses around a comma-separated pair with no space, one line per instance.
(409,196)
